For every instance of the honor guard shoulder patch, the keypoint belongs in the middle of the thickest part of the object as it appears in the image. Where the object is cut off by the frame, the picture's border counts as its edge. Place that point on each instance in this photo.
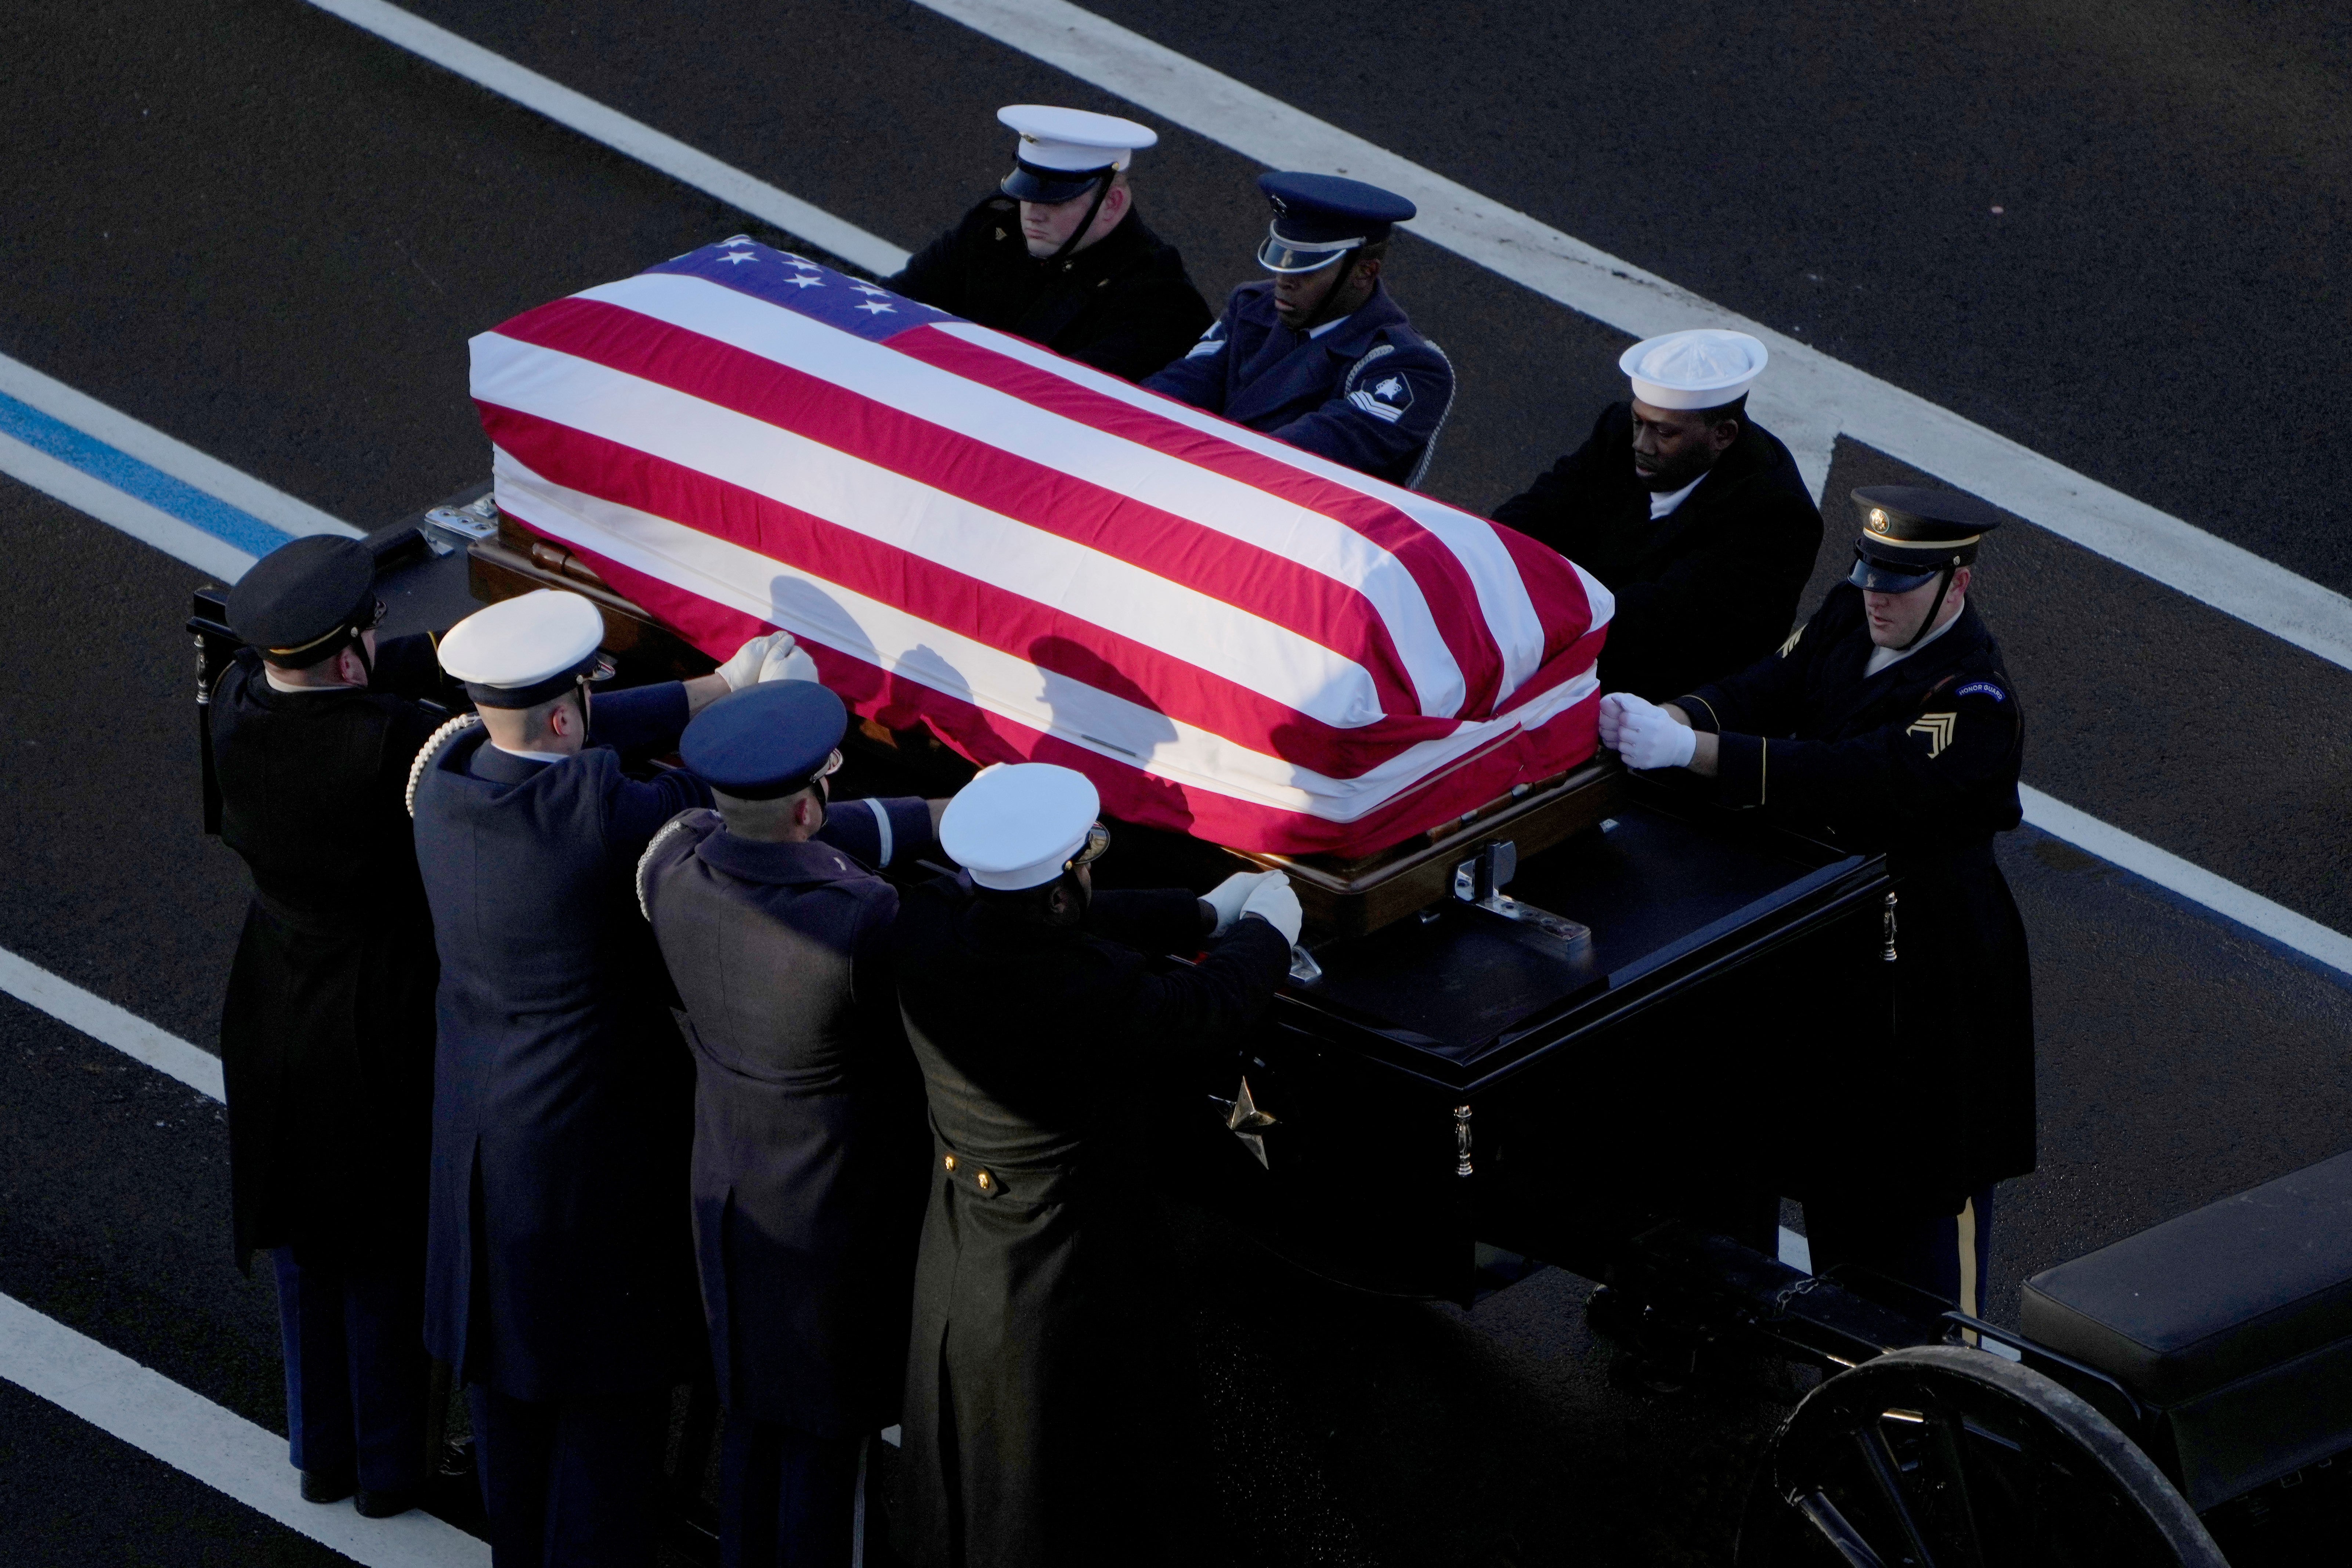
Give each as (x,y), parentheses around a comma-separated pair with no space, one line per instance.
(1790,646)
(1982,689)
(1939,728)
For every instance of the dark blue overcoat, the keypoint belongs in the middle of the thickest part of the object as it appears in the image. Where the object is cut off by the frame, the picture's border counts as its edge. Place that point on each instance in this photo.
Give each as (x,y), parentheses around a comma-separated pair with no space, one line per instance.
(812,1157)
(559,1262)
(1369,394)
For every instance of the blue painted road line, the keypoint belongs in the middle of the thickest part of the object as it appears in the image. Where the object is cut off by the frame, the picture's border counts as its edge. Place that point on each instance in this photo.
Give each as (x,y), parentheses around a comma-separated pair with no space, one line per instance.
(231,525)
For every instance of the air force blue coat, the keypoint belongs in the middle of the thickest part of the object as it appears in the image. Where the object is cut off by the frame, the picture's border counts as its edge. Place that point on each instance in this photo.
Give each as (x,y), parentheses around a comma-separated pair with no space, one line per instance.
(1369,394)
(559,1262)
(810,1157)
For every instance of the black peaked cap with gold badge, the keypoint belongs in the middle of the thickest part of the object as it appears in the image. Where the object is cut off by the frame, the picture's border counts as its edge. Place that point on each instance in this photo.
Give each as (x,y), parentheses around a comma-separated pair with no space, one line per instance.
(1911,533)
(306,600)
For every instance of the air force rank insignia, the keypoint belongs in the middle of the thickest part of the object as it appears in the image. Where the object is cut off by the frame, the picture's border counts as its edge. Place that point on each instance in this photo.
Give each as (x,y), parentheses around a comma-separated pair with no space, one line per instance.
(1386,399)
(1939,728)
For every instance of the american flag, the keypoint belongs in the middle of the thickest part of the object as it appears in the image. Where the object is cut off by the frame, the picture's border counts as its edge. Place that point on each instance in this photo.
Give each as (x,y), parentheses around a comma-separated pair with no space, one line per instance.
(1232,638)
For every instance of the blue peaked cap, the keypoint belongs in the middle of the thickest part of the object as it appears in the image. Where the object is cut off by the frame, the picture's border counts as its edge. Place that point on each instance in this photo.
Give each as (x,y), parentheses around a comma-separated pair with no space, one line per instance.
(1317,216)
(765,741)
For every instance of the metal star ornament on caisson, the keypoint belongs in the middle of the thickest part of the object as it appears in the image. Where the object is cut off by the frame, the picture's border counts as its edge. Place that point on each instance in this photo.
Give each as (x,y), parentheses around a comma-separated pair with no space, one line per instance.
(1246,1121)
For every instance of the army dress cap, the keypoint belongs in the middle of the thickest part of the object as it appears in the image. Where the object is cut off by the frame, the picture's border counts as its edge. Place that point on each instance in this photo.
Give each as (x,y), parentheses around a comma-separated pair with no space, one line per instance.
(1910,534)
(1064,152)
(1704,367)
(1017,825)
(766,740)
(519,652)
(1318,218)
(304,600)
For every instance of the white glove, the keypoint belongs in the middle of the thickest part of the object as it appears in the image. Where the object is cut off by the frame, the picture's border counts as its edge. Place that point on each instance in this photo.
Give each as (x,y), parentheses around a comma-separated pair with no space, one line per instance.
(1273,902)
(1646,737)
(744,669)
(1228,897)
(791,662)
(1612,717)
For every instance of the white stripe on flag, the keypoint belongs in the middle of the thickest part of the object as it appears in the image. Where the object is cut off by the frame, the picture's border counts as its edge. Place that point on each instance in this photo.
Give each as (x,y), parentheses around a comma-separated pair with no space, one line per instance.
(866,499)
(998,419)
(1511,617)
(914,649)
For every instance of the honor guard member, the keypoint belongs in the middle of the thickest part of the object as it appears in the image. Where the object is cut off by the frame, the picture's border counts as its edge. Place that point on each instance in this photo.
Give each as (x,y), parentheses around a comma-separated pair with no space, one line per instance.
(1689,512)
(1060,255)
(1034,1432)
(1319,354)
(809,1150)
(1888,723)
(327,1031)
(559,1277)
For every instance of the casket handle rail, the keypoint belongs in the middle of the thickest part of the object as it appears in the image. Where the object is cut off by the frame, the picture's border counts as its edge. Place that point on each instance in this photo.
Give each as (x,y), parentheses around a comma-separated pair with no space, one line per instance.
(1462,1166)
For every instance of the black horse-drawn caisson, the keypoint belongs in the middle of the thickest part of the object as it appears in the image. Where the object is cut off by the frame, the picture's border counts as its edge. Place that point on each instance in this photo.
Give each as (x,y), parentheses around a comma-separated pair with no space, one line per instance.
(1556,1030)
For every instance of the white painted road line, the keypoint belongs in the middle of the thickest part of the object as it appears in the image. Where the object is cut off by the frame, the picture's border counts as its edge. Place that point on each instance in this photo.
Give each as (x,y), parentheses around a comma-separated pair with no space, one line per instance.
(2191,881)
(212,556)
(109,1026)
(135,477)
(1807,398)
(217,1446)
(618,132)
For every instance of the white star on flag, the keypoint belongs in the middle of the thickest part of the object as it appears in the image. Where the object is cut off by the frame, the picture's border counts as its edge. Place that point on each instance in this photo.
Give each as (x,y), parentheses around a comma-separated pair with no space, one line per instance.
(804,281)
(871,291)
(877,309)
(738,256)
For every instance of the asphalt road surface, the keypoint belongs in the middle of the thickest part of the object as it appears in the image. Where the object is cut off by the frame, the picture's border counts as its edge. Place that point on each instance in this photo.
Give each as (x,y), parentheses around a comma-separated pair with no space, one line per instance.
(270,235)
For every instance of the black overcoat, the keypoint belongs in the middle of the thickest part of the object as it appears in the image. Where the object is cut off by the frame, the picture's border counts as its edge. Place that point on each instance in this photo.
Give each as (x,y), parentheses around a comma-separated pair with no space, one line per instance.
(327,1029)
(559,1262)
(1030,1423)
(1920,762)
(1124,304)
(1704,591)
(810,1154)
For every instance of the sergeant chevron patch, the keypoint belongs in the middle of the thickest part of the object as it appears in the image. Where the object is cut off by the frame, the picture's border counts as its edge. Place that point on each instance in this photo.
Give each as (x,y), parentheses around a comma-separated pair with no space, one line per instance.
(1790,646)
(1939,728)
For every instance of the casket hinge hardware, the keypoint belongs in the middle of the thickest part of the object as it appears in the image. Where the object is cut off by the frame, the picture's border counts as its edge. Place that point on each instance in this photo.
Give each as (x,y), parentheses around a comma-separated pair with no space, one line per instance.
(1480,879)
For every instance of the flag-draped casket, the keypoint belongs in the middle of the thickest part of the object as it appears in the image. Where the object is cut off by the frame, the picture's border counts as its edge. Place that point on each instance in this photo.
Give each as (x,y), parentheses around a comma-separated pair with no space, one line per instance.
(1233,637)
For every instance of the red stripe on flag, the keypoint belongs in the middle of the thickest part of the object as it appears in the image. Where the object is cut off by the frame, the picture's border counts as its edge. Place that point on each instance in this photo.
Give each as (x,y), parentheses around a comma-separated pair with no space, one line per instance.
(1129,792)
(1296,597)
(1444,583)
(1072,648)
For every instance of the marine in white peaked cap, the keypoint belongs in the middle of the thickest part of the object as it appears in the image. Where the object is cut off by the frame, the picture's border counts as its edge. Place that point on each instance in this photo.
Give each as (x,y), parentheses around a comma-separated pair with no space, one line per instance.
(1691,514)
(558,1272)
(1035,1430)
(1058,255)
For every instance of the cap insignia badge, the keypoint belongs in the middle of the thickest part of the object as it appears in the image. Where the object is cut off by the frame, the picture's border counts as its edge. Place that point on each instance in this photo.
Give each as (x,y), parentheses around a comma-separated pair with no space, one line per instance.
(1877,521)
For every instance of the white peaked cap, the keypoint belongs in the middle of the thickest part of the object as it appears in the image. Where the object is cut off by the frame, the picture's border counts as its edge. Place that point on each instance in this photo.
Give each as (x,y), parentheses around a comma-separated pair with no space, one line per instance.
(1701,368)
(1074,139)
(1017,824)
(522,642)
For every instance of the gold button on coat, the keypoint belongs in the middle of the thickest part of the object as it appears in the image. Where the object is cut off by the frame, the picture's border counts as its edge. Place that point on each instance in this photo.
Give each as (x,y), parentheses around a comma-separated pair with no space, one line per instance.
(984,1182)
(948,1160)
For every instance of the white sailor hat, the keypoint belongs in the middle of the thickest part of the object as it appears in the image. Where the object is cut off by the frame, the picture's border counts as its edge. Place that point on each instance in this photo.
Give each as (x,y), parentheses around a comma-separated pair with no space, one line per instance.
(518,653)
(1704,367)
(1064,151)
(1020,825)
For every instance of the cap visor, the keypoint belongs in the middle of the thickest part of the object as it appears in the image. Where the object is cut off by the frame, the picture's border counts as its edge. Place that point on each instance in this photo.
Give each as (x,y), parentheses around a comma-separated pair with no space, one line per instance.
(1026,185)
(1276,257)
(1873,578)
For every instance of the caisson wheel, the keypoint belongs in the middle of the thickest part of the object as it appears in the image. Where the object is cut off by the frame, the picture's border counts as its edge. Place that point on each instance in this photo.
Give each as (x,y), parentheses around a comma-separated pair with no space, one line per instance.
(1945,1456)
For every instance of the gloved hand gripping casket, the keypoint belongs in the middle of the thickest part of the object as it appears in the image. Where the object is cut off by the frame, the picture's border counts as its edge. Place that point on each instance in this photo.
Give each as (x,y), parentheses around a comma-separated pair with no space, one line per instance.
(1232,638)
